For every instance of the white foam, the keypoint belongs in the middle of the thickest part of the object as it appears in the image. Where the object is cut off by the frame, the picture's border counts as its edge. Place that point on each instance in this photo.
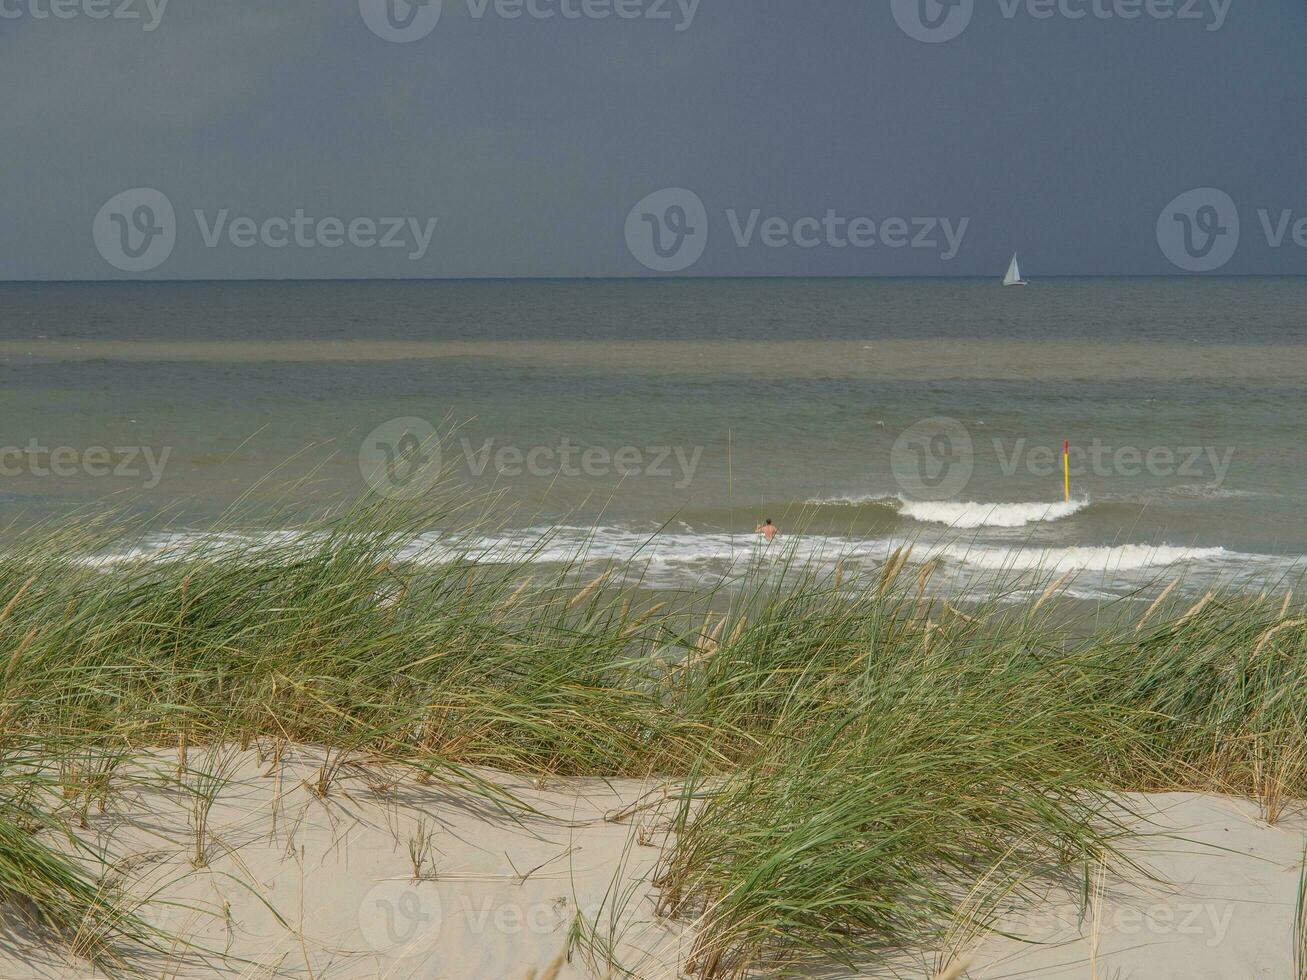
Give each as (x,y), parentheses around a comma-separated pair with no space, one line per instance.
(652,547)
(1126,557)
(855,500)
(683,558)
(533,545)
(962,514)
(969,514)
(193,545)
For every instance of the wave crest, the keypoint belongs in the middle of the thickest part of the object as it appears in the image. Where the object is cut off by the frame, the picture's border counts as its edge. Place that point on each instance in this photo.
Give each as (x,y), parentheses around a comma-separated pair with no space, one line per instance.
(968,514)
(1126,557)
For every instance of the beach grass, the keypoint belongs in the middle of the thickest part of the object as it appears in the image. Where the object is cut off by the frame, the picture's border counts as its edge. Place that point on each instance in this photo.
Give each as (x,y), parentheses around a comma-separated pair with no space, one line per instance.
(856,766)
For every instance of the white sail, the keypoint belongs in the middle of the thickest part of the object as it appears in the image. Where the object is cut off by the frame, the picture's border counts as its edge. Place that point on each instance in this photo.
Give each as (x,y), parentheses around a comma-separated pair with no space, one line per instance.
(1013,277)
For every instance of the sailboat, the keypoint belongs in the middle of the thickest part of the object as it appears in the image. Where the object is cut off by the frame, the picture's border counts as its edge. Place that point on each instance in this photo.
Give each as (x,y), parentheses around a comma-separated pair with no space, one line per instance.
(1013,277)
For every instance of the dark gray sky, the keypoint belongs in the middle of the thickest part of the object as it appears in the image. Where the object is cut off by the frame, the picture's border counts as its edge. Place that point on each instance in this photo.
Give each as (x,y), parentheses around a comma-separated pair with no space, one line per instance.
(531,139)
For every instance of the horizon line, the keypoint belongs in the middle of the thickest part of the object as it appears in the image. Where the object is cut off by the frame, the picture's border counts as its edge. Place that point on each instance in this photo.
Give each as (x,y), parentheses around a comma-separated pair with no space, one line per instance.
(650,279)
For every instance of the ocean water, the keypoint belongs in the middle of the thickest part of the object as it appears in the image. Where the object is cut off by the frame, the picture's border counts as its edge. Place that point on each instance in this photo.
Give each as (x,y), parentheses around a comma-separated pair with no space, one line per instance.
(663,419)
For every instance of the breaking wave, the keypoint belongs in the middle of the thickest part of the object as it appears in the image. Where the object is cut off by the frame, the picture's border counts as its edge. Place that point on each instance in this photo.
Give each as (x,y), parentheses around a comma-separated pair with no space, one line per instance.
(968,514)
(1126,557)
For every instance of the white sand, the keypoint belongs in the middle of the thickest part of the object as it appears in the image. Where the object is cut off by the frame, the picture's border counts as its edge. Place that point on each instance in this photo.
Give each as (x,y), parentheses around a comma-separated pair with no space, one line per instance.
(298,885)
(1222,908)
(336,872)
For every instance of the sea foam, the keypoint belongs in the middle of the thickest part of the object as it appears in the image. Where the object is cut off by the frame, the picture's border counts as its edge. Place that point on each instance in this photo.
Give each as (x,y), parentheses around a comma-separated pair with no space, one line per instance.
(1126,557)
(969,514)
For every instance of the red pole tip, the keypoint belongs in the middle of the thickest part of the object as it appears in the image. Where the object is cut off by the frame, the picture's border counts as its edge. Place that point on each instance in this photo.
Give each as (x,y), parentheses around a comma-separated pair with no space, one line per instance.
(1066,446)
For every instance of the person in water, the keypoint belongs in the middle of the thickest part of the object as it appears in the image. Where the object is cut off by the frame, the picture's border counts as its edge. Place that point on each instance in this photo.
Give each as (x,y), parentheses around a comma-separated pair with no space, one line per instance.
(767,529)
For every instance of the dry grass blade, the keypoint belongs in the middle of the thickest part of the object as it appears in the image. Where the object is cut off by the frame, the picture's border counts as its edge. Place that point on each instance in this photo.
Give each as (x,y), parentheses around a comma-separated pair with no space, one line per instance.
(1054,588)
(9,606)
(1271,633)
(1156,604)
(1197,607)
(955,970)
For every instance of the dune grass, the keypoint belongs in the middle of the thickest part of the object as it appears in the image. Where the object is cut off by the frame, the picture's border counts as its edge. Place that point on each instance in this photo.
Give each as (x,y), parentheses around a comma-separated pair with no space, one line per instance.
(857,766)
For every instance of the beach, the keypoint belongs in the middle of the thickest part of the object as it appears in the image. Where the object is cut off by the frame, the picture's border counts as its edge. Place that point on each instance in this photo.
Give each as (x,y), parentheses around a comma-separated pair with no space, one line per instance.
(653,490)
(301,883)
(313,753)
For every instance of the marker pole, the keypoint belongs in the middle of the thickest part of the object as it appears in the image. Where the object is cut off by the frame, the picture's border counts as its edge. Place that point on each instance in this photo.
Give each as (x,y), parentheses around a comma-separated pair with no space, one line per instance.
(1066,468)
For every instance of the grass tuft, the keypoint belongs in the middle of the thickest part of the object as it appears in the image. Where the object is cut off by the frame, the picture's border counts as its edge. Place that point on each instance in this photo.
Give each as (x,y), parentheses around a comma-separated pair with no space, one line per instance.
(856,767)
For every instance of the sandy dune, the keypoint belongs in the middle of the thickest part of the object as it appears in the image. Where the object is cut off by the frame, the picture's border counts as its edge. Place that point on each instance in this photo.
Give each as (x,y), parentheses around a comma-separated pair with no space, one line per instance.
(301,885)
(1222,907)
(298,884)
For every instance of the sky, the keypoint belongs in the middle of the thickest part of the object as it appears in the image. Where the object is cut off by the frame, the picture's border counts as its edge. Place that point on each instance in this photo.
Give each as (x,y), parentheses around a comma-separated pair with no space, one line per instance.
(145,139)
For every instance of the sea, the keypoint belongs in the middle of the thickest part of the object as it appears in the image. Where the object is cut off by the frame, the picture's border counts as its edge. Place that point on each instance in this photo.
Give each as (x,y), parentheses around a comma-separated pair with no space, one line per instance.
(660,421)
